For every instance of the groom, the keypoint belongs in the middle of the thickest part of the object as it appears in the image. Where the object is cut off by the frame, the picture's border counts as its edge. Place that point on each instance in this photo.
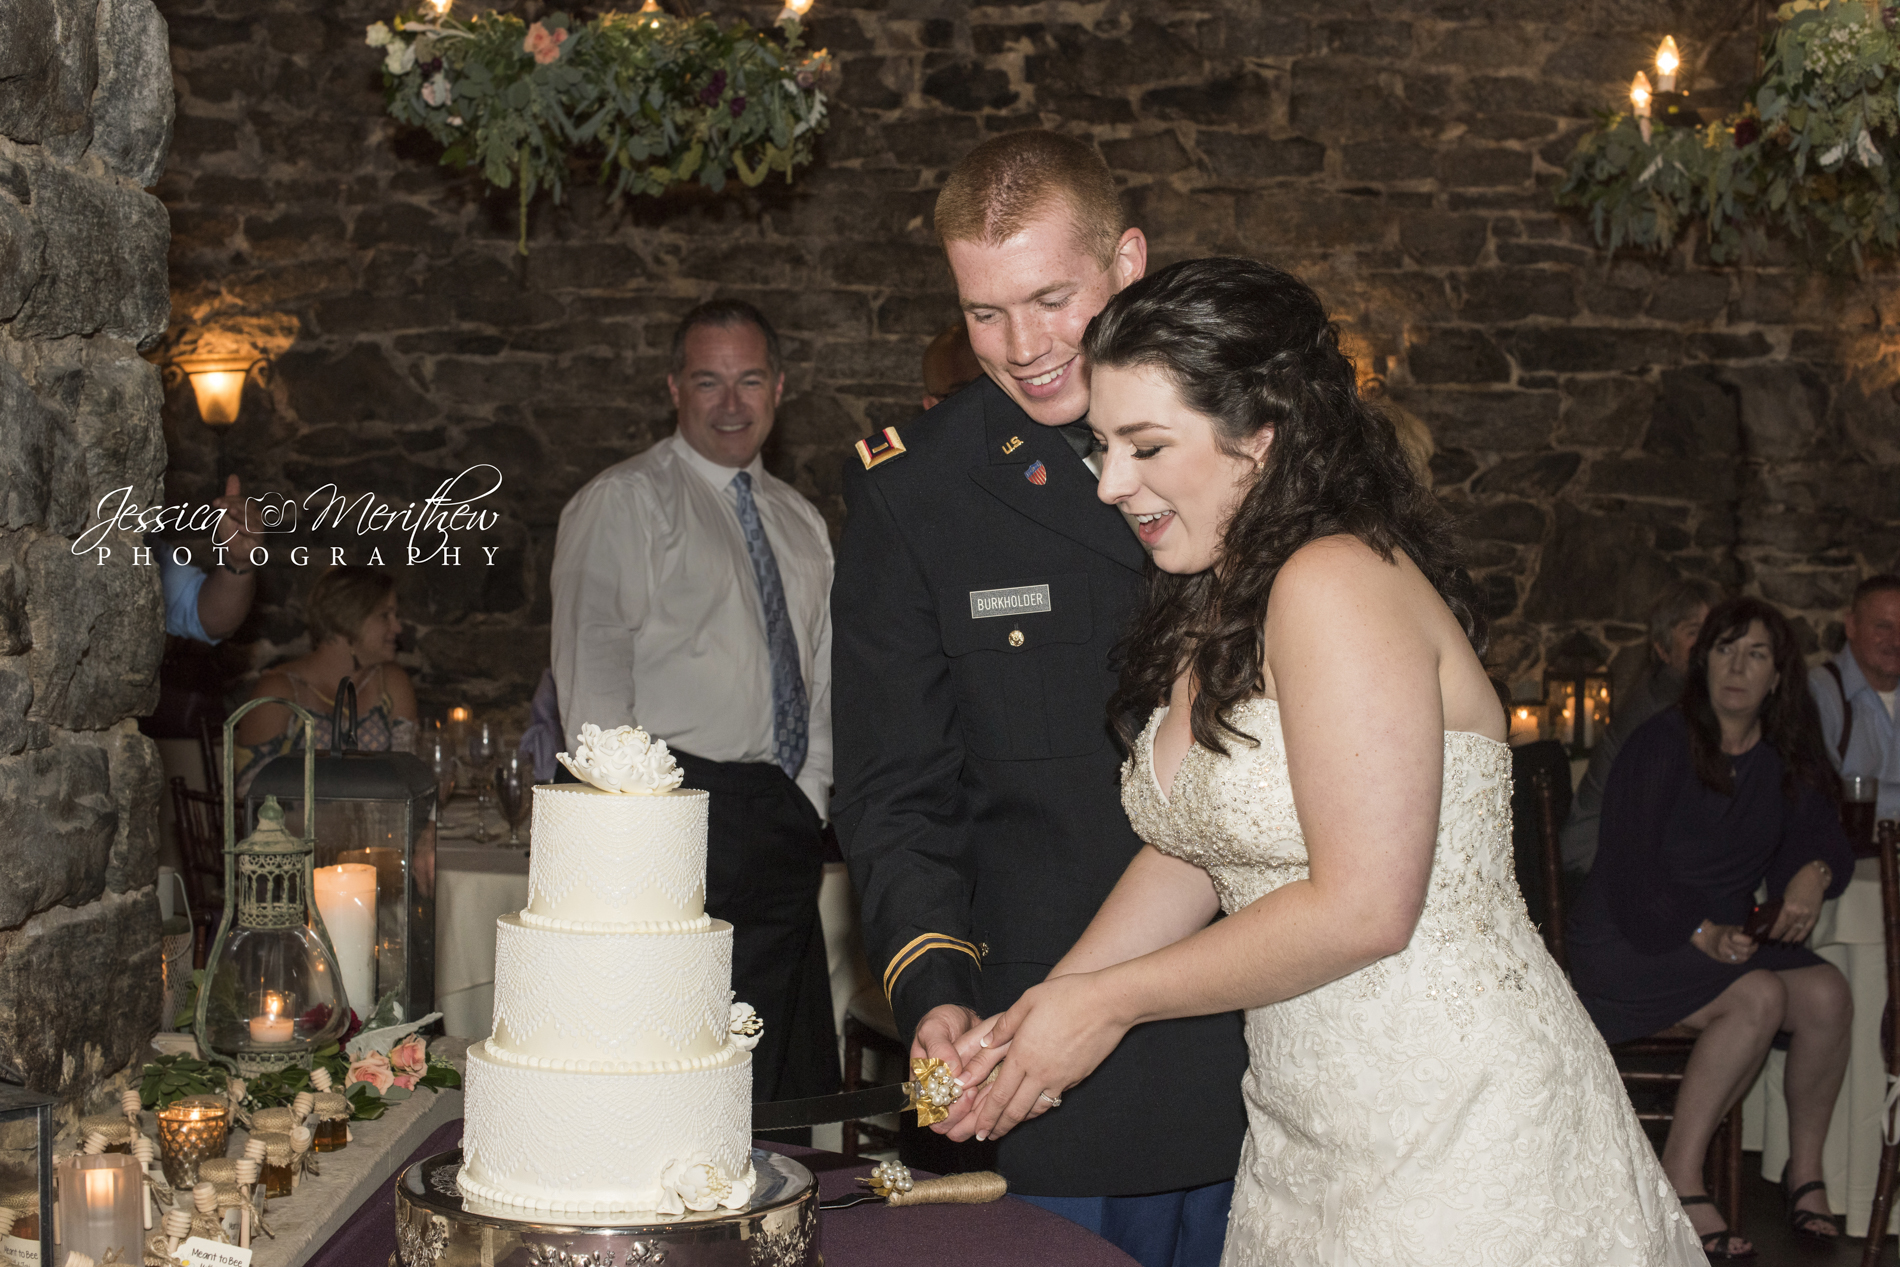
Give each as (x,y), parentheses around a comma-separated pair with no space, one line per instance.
(979,592)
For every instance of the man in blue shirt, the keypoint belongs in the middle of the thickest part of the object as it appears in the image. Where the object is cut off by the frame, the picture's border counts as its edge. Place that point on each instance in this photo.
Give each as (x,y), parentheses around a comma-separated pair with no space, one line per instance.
(1854,689)
(209,606)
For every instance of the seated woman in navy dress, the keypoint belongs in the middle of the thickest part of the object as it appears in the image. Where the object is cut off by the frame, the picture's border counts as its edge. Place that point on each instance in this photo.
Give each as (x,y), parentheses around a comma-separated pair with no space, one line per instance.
(1707,801)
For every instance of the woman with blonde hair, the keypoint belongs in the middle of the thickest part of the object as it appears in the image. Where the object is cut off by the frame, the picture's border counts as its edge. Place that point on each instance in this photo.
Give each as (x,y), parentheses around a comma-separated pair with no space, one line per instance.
(351,618)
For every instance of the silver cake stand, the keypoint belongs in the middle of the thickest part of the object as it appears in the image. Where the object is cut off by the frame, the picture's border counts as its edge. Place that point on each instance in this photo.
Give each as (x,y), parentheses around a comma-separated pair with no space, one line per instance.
(437,1227)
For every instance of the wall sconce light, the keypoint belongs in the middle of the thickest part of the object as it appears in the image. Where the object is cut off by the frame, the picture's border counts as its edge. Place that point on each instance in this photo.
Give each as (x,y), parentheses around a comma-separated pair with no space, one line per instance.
(1668,59)
(218,384)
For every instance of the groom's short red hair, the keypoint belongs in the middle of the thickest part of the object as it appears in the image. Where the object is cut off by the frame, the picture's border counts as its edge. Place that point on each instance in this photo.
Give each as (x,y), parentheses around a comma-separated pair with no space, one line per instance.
(1004,183)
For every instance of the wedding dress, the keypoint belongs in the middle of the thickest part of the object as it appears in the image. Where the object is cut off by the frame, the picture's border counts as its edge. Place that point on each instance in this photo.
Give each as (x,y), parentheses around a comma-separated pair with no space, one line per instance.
(1450,1104)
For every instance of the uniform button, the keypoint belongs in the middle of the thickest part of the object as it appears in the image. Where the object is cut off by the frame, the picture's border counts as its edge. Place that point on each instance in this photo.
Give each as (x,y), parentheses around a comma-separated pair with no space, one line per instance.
(1015,637)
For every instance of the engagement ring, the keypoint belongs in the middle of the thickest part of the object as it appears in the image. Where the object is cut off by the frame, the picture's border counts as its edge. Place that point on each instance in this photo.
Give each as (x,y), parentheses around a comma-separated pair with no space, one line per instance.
(1055,1102)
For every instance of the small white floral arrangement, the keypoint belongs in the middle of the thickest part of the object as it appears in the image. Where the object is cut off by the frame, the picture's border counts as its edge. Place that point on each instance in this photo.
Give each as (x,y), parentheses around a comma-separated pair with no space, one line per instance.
(746,1027)
(623,759)
(699,1185)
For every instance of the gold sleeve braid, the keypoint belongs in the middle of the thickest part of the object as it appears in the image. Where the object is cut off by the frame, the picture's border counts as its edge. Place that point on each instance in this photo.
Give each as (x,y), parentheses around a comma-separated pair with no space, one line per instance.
(916,948)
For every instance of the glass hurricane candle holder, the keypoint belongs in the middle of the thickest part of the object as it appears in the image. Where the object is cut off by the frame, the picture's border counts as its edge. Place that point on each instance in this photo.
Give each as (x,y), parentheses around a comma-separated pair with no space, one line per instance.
(102,1207)
(189,1131)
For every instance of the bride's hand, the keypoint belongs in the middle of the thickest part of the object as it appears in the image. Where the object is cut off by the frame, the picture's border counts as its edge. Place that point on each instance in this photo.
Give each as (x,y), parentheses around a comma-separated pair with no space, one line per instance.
(1057,1034)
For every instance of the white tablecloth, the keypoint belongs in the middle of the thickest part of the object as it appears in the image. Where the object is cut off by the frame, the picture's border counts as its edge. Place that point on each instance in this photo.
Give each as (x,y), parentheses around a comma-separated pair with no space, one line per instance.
(475,885)
(1850,935)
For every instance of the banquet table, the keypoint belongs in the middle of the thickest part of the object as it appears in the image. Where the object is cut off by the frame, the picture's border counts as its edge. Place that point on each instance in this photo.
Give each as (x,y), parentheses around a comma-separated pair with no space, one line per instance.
(1851,935)
(1006,1233)
(475,883)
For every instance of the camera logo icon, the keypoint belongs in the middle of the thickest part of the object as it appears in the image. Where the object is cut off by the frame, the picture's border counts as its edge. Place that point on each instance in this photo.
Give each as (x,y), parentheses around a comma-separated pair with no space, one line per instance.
(272,512)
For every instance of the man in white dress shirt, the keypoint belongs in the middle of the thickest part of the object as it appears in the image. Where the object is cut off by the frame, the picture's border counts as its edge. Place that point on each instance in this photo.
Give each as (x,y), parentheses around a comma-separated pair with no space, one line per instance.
(690,598)
(1854,691)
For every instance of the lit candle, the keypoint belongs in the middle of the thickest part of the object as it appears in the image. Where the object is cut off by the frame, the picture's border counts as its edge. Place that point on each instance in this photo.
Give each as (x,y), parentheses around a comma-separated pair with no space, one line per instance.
(794,10)
(346,898)
(440,8)
(458,714)
(100,1199)
(1668,58)
(1639,95)
(1523,726)
(273,1026)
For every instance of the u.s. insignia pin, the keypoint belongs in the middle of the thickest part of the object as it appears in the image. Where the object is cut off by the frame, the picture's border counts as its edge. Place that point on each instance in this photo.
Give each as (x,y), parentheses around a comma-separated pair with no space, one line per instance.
(881,447)
(1037,473)
(1012,444)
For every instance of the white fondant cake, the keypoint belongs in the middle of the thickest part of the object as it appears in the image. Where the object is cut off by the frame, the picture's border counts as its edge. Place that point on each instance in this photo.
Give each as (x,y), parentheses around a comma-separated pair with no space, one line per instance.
(612,1070)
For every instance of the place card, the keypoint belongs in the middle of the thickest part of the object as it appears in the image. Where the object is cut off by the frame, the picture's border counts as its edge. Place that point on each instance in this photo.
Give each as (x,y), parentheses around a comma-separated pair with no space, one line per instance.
(199,1252)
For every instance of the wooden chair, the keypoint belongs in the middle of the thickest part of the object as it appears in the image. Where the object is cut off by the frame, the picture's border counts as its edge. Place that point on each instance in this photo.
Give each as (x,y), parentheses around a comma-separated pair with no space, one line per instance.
(1889,838)
(200,818)
(211,746)
(868,1026)
(1655,1063)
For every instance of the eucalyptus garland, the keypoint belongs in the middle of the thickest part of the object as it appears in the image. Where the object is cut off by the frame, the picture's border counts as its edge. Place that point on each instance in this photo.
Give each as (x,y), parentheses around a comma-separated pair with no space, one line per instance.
(648,100)
(1812,153)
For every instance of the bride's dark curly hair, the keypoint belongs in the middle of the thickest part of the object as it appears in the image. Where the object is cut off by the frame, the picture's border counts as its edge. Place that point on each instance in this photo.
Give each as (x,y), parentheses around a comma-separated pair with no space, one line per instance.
(1249,347)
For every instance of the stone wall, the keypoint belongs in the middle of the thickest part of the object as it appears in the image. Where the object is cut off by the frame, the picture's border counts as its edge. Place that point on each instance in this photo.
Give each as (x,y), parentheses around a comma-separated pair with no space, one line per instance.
(85,118)
(1603,424)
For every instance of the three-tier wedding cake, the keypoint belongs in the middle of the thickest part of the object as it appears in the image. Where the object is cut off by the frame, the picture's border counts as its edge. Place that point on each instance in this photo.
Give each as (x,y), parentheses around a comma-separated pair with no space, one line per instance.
(619,1076)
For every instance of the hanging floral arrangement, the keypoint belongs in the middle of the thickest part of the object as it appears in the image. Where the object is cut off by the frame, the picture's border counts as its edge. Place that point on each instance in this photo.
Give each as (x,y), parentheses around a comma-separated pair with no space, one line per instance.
(646,100)
(1812,152)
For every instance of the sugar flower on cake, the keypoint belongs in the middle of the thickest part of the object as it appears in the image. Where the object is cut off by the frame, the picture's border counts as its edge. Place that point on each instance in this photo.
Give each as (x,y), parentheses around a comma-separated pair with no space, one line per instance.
(699,1185)
(624,759)
(745,1027)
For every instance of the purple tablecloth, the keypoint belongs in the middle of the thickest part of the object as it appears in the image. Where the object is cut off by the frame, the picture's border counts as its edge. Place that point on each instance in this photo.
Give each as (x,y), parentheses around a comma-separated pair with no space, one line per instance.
(1008,1233)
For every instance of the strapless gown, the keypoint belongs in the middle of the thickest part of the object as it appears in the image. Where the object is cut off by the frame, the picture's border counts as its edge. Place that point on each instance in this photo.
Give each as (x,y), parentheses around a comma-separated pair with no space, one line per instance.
(1450,1104)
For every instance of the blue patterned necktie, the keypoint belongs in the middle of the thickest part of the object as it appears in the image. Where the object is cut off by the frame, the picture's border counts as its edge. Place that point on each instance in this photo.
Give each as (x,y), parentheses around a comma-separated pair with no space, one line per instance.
(790,713)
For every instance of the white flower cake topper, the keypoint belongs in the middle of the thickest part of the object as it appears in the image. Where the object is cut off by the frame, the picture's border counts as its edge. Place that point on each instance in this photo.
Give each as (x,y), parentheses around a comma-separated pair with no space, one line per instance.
(699,1185)
(745,1027)
(622,760)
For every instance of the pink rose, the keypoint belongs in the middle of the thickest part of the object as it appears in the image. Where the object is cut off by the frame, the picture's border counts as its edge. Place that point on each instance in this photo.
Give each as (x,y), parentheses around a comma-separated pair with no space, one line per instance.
(373,1069)
(407,1081)
(410,1056)
(543,43)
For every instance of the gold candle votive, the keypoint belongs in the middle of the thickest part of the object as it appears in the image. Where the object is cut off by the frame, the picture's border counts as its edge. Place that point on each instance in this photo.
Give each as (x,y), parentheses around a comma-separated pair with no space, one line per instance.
(189,1131)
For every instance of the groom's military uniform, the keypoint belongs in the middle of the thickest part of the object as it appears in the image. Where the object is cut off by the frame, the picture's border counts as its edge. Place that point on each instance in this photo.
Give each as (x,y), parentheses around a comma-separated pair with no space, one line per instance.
(980,590)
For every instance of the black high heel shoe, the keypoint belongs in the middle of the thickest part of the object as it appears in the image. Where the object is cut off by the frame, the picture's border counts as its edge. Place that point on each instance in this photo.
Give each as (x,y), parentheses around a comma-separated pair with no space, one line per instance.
(1719,1245)
(1809,1222)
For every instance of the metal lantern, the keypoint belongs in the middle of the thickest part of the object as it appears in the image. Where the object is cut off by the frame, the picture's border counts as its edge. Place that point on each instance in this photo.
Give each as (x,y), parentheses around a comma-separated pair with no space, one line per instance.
(26,1201)
(1576,695)
(376,808)
(271,993)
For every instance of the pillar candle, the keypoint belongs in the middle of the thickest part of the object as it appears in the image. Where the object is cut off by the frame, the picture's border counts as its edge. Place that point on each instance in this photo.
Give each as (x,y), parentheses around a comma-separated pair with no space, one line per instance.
(346,897)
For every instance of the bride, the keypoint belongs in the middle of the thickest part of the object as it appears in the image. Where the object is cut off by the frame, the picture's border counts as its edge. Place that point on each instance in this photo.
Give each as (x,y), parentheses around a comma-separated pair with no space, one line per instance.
(1323,762)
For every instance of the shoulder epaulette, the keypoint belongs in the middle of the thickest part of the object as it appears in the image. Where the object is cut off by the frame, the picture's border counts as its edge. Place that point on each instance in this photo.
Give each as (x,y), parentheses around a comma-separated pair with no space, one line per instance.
(881,446)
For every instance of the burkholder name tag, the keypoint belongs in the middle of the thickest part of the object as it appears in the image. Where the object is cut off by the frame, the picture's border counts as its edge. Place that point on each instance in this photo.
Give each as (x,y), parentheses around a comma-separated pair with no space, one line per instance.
(1014,600)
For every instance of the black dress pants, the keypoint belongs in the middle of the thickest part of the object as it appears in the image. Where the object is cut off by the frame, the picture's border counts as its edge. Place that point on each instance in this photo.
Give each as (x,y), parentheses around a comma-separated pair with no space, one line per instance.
(764,862)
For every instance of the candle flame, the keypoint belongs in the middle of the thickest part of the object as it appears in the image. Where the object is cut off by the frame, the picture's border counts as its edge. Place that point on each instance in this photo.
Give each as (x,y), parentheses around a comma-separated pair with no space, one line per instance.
(440,8)
(799,8)
(651,6)
(1639,92)
(462,714)
(273,1004)
(1668,56)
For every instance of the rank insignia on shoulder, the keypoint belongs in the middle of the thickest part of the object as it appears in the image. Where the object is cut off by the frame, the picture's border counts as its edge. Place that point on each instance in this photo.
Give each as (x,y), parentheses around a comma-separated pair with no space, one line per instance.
(881,447)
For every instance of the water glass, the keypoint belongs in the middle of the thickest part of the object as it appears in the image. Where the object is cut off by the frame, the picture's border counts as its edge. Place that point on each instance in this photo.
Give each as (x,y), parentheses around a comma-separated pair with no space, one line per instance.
(481,750)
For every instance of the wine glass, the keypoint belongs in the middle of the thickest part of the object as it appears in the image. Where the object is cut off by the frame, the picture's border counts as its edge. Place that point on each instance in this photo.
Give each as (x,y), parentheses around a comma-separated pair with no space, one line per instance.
(442,765)
(514,790)
(481,750)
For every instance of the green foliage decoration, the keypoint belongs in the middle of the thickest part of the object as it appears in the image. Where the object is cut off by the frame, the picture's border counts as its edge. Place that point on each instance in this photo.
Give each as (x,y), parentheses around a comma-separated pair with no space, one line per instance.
(1812,153)
(169,1079)
(647,100)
